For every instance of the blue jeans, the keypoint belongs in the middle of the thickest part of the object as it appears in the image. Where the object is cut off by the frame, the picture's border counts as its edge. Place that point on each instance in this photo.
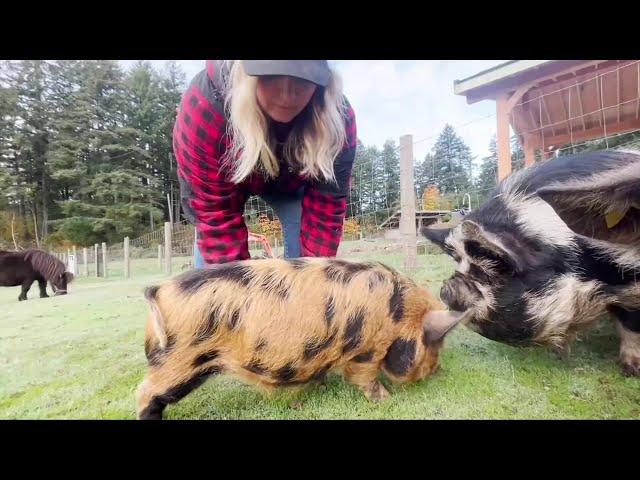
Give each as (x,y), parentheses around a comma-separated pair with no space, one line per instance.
(288,208)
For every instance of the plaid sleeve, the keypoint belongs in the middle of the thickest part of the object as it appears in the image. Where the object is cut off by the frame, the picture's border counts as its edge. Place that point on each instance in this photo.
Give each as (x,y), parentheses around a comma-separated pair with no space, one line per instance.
(324,205)
(215,205)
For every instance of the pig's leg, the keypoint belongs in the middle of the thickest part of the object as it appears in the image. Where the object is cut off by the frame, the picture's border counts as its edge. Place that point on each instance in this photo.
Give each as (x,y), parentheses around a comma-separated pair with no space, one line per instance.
(563,351)
(26,285)
(42,284)
(628,325)
(167,384)
(365,377)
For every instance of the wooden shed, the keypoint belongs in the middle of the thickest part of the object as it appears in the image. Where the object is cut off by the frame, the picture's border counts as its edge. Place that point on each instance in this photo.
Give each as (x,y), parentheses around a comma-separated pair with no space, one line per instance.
(553,103)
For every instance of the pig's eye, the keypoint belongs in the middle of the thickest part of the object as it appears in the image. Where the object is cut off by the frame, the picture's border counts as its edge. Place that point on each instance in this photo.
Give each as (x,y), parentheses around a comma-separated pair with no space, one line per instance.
(478,273)
(475,250)
(452,253)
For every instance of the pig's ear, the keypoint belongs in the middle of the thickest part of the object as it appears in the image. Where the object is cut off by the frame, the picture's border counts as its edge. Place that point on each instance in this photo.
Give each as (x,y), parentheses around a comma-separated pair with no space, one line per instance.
(437,323)
(436,235)
(480,243)
(605,207)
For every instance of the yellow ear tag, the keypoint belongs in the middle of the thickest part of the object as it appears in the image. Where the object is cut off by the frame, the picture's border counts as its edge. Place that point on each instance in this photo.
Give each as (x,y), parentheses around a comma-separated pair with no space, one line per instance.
(614,218)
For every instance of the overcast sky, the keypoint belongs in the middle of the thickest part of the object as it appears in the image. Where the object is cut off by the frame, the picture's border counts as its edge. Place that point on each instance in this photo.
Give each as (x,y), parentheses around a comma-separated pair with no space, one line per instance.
(393,98)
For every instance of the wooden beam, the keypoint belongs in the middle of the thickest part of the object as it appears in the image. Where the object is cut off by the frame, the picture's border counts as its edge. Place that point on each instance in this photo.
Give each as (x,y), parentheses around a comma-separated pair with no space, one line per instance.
(570,117)
(495,74)
(546,112)
(578,82)
(529,152)
(600,103)
(504,147)
(537,131)
(618,83)
(596,132)
(514,124)
(564,110)
(580,77)
(518,94)
(579,90)
(523,116)
(489,91)
(533,121)
(524,121)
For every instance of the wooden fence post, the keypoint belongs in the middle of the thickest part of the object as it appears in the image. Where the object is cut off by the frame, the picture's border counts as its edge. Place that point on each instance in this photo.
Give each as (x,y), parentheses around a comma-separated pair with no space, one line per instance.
(167,248)
(127,272)
(408,203)
(85,266)
(104,259)
(96,259)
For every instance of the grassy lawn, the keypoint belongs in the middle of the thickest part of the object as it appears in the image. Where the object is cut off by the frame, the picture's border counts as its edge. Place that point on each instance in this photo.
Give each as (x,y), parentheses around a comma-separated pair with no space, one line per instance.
(81,357)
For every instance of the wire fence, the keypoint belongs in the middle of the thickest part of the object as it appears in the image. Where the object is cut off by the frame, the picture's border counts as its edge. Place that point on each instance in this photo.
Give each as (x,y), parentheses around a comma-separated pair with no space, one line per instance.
(603,104)
(373,204)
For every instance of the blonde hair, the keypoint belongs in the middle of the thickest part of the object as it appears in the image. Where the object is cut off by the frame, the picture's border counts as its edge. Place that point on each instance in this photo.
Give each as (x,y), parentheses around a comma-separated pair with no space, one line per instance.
(313,144)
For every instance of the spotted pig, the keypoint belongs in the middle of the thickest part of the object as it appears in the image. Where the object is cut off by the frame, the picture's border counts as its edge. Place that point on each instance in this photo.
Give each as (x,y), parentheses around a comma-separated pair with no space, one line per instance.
(281,323)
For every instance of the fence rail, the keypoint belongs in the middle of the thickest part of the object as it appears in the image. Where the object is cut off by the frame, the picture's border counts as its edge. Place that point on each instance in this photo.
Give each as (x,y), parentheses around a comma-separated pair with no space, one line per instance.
(146,254)
(370,215)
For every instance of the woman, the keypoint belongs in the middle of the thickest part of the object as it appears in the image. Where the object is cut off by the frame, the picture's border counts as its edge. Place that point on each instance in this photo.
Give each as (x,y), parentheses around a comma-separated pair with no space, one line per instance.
(280,129)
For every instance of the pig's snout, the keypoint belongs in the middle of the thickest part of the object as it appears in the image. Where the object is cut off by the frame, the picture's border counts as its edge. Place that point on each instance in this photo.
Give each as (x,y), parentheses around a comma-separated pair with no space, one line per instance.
(451,294)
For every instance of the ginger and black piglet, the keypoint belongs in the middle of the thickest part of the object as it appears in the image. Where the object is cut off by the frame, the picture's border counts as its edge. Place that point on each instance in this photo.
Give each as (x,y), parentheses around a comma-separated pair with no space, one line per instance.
(276,323)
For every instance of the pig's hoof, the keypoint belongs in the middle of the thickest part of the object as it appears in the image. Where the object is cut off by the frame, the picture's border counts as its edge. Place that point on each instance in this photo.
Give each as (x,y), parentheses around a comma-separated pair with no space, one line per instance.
(562,353)
(630,367)
(150,416)
(377,393)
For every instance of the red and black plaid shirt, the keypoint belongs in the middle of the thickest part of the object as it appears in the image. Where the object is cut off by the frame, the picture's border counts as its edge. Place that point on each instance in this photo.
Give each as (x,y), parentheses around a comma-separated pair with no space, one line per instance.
(215,205)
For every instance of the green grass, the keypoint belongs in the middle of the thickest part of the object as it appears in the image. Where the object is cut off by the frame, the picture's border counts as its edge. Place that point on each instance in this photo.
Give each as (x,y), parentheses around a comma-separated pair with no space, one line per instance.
(81,357)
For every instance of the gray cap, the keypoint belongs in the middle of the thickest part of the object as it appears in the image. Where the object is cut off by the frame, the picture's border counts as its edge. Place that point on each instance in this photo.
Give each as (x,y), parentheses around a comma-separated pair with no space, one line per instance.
(316,71)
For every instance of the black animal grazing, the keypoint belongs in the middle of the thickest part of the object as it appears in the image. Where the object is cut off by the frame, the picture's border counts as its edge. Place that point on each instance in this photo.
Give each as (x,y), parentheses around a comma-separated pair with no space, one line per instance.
(24,268)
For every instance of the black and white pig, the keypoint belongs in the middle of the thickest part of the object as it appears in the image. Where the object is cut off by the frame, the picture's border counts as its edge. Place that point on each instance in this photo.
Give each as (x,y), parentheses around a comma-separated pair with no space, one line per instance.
(556,247)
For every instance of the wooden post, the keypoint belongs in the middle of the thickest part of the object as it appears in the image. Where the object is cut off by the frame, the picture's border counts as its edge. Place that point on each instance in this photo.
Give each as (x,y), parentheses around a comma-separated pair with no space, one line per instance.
(85,266)
(104,260)
(504,147)
(160,257)
(167,248)
(95,259)
(408,203)
(127,272)
(75,260)
(529,152)
(170,206)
